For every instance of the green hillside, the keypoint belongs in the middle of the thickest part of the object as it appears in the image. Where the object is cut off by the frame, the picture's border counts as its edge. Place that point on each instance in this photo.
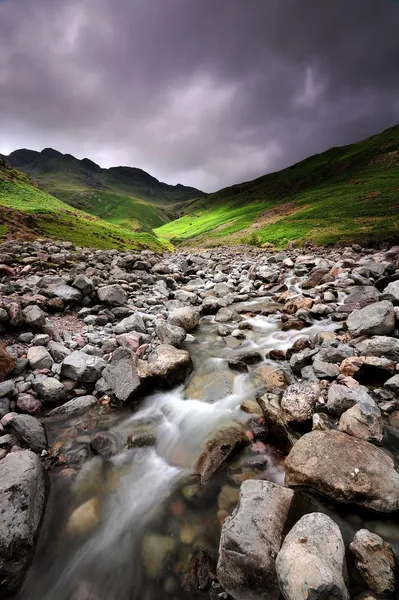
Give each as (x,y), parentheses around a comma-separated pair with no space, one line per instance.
(27,212)
(343,194)
(124,196)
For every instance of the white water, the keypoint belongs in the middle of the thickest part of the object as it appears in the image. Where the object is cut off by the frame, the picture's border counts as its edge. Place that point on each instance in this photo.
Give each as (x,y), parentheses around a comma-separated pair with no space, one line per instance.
(106,564)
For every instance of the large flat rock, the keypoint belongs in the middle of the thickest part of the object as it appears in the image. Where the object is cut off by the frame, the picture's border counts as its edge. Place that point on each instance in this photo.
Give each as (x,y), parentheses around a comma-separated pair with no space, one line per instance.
(345,469)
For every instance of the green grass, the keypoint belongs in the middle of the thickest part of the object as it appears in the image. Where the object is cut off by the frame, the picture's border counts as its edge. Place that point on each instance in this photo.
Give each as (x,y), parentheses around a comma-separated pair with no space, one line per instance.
(124,196)
(345,194)
(29,210)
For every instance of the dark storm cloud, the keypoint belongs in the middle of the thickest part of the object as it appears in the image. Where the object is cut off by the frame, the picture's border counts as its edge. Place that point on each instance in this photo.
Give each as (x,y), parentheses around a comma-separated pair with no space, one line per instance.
(207,92)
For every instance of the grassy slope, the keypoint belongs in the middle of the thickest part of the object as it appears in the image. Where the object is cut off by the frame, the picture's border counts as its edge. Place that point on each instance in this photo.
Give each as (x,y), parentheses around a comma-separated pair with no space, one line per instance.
(27,211)
(348,193)
(121,195)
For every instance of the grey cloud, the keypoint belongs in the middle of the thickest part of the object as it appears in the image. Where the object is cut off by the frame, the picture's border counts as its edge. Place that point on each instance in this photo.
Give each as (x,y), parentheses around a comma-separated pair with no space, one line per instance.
(204,92)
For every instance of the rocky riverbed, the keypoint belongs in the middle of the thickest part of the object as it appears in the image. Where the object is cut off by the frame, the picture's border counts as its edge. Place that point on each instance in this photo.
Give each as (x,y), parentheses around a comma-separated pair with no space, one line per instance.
(220,424)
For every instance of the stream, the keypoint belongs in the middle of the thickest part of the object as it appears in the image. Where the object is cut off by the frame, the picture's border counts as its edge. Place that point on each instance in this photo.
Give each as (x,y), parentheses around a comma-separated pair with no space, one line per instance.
(142,511)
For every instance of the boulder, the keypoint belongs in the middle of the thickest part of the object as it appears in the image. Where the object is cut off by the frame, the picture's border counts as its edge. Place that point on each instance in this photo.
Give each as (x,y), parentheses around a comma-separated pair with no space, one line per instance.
(7,363)
(361,296)
(30,431)
(299,400)
(278,431)
(325,370)
(169,364)
(393,384)
(7,388)
(187,317)
(49,389)
(77,406)
(112,295)
(83,284)
(219,451)
(170,334)
(27,403)
(33,316)
(311,562)
(392,290)
(251,539)
(226,315)
(121,374)
(22,499)
(374,319)
(133,323)
(340,398)
(344,469)
(58,351)
(363,421)
(66,293)
(374,560)
(82,367)
(39,358)
(382,346)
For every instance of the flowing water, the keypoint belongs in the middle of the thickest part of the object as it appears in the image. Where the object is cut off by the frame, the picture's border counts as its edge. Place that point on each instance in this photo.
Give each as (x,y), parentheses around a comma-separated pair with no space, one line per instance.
(137,516)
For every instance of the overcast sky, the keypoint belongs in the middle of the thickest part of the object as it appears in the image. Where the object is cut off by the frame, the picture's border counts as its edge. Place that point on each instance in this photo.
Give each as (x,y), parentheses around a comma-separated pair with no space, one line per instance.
(202,92)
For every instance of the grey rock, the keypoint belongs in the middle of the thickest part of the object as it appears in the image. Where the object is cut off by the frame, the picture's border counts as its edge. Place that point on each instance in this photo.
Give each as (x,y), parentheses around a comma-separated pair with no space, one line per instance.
(30,430)
(58,351)
(170,334)
(340,398)
(66,293)
(363,421)
(132,323)
(322,422)
(39,358)
(83,284)
(75,407)
(393,384)
(82,367)
(7,388)
(34,316)
(113,295)
(362,295)
(380,346)
(187,317)
(301,359)
(374,319)
(121,374)
(22,500)
(345,469)
(212,304)
(226,315)
(170,365)
(325,370)
(251,539)
(335,355)
(374,560)
(49,389)
(311,562)
(219,451)
(392,290)
(4,406)
(299,400)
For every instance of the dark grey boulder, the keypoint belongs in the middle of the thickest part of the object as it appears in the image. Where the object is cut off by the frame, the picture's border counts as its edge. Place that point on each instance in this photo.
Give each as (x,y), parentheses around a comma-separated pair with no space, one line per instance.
(22,500)
(251,539)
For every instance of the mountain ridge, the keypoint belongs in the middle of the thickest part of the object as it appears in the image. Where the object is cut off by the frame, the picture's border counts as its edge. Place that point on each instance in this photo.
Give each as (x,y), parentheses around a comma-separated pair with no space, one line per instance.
(344,193)
(27,212)
(126,196)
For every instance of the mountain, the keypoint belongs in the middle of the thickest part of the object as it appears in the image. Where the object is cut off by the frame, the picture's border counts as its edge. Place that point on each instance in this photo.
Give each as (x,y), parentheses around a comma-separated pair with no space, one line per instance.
(124,196)
(344,194)
(28,212)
